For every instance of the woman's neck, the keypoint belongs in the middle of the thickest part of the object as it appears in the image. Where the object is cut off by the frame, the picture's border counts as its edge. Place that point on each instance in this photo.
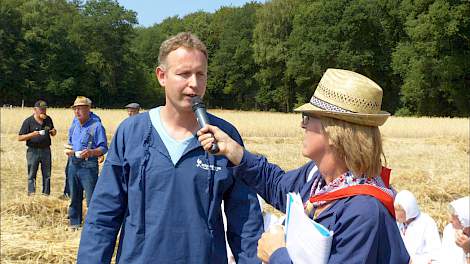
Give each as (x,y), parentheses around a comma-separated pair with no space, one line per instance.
(331,167)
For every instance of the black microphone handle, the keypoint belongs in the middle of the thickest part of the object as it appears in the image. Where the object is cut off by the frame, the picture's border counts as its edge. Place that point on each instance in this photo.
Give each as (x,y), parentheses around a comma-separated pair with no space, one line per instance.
(203,120)
(214,148)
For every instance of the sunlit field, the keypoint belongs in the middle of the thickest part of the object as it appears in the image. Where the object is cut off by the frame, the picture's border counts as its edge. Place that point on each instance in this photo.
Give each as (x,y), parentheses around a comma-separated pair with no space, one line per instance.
(428,156)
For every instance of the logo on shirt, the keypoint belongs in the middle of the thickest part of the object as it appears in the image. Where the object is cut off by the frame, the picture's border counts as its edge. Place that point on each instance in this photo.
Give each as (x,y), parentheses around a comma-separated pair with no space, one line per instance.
(204,166)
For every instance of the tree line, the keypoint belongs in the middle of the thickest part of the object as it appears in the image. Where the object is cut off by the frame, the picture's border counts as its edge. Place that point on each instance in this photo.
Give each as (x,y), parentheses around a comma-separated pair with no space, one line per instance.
(261,56)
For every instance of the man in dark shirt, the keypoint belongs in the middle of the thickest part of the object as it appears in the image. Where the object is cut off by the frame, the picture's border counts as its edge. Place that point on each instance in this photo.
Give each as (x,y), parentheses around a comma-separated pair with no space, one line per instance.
(36,131)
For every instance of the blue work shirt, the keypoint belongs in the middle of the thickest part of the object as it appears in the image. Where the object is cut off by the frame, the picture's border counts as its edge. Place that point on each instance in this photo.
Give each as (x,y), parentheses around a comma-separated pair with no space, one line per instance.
(168,213)
(364,231)
(89,135)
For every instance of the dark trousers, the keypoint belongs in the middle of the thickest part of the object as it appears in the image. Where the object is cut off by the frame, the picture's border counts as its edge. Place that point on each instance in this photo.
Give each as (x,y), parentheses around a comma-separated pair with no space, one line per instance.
(34,157)
(82,176)
(66,186)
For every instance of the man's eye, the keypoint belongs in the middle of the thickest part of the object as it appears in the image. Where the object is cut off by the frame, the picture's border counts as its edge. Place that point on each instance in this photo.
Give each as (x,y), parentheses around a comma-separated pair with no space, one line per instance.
(184,74)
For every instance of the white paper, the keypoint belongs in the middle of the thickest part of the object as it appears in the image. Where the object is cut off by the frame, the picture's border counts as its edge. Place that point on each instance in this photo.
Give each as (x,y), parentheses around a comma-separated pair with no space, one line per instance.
(307,241)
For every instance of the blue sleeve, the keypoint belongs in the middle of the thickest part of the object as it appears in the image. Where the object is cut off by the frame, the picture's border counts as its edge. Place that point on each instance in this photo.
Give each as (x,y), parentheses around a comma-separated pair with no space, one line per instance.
(107,208)
(280,256)
(100,139)
(269,180)
(244,219)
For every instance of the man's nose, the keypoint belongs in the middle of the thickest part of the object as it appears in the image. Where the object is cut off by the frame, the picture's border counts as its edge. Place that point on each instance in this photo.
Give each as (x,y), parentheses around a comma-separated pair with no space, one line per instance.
(192,81)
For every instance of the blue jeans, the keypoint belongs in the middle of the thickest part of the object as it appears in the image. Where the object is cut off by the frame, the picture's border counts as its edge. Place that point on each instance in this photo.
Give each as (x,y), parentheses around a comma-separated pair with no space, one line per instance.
(82,176)
(34,156)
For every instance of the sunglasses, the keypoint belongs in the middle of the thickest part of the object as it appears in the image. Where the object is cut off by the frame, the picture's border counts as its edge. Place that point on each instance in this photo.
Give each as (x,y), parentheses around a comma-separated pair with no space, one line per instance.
(305,119)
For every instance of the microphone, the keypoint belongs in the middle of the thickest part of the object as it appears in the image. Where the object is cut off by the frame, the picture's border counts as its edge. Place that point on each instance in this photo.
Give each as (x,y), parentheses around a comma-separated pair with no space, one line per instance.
(199,110)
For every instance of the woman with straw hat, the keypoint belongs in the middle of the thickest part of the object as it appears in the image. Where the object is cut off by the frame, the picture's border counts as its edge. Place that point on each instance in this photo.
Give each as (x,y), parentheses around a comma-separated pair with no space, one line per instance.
(344,187)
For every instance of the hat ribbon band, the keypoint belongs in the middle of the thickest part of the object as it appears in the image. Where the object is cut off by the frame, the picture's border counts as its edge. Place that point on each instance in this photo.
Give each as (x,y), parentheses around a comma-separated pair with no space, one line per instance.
(327,106)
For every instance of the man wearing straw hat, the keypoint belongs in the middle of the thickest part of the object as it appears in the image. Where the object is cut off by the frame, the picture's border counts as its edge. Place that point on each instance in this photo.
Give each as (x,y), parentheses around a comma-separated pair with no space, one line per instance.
(36,131)
(88,140)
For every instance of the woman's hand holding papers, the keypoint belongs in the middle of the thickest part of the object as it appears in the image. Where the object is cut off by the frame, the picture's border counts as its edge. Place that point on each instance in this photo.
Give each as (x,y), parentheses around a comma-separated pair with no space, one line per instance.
(270,241)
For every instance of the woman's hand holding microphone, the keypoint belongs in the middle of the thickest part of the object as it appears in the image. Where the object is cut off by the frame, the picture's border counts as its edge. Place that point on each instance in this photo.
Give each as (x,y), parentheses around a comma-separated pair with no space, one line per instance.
(227,146)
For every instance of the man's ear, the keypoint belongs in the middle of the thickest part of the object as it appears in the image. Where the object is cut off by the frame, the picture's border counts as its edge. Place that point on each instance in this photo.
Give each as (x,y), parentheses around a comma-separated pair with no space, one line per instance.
(160,73)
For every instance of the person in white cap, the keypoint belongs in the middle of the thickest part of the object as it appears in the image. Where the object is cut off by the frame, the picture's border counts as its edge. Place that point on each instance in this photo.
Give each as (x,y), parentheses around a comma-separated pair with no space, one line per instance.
(418,229)
(455,238)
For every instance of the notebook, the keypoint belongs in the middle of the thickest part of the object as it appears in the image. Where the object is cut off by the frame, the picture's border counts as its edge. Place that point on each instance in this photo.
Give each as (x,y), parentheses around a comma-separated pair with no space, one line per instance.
(307,241)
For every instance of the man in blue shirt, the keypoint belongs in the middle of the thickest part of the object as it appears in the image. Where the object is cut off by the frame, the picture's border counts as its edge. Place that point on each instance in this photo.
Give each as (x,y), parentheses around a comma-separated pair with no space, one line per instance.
(161,190)
(87,137)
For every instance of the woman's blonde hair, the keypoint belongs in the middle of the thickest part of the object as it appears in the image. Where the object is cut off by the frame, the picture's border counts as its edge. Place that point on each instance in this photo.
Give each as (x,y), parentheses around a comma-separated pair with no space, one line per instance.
(358,145)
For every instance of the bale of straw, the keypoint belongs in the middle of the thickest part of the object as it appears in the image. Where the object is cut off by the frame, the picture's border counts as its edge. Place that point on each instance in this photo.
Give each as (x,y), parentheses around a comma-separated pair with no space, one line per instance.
(35,230)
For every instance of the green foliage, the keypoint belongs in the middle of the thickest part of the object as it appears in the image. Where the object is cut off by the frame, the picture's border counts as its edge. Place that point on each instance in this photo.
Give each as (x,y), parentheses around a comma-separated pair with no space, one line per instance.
(433,58)
(261,56)
(232,67)
(12,52)
(352,35)
(271,53)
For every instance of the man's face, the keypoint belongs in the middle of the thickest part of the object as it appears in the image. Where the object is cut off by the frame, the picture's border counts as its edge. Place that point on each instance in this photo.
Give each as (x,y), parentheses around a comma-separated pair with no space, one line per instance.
(183,76)
(82,112)
(132,111)
(40,112)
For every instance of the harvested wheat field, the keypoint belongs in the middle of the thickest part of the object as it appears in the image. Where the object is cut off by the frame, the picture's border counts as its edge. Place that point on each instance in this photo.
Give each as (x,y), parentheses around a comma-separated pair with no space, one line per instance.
(428,156)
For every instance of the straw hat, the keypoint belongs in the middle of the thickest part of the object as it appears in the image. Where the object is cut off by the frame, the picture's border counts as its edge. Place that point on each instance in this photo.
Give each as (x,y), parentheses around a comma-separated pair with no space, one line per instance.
(348,96)
(81,100)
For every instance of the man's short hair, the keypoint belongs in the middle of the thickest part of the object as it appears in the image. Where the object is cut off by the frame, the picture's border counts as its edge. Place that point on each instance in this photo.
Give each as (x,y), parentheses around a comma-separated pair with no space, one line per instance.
(182,39)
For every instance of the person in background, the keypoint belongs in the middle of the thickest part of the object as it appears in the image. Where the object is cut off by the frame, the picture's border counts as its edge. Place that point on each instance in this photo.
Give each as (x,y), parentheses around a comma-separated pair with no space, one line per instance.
(66,193)
(37,130)
(455,237)
(344,187)
(69,152)
(88,140)
(418,229)
(133,109)
(160,190)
